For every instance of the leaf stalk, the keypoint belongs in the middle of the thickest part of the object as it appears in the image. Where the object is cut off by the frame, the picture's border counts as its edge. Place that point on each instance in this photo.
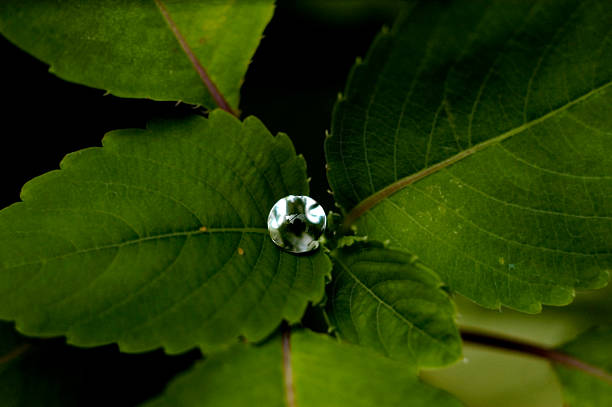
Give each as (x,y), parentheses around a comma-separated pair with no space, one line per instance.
(513,345)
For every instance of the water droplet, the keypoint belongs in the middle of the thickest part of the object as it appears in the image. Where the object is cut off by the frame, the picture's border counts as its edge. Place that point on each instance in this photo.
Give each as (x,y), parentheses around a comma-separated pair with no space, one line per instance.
(296,223)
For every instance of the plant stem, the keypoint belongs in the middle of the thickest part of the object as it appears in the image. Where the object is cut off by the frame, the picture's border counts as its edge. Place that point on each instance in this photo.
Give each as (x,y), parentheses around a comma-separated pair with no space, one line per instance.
(210,85)
(287,369)
(552,355)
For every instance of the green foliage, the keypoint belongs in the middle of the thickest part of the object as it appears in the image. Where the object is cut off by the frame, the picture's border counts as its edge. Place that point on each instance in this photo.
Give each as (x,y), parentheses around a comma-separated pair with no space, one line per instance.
(474,140)
(159,239)
(325,373)
(128,48)
(387,300)
(579,388)
(477,136)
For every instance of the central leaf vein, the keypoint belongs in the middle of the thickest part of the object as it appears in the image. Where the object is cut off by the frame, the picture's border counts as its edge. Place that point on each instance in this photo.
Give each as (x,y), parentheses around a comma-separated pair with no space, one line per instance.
(402,183)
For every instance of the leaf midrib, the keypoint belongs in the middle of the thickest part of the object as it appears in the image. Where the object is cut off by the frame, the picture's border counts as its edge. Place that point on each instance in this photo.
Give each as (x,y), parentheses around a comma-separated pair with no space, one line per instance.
(186,233)
(195,62)
(374,199)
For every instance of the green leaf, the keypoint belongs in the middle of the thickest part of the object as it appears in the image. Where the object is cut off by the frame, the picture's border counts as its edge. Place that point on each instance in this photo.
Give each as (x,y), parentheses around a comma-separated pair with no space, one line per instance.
(387,300)
(129,49)
(588,390)
(478,137)
(50,374)
(315,369)
(159,239)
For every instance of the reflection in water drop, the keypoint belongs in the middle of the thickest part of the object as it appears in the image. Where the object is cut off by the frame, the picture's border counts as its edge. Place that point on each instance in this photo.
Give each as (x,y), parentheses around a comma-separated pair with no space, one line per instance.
(296,223)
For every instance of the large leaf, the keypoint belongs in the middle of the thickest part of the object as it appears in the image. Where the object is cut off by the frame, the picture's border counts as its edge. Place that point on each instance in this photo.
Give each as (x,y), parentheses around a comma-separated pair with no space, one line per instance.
(50,374)
(311,371)
(593,389)
(159,239)
(129,49)
(387,300)
(478,136)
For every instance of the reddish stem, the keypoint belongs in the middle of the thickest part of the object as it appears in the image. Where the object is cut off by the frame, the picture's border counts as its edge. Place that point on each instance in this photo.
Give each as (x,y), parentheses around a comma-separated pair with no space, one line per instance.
(534,350)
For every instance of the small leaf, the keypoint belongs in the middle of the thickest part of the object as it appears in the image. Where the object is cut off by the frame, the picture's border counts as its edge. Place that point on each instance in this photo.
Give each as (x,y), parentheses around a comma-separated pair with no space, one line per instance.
(50,374)
(478,137)
(159,239)
(386,300)
(314,370)
(129,49)
(581,389)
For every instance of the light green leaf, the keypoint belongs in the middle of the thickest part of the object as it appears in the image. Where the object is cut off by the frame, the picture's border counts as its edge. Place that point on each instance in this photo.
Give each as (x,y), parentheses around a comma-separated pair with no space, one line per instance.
(588,390)
(159,239)
(478,136)
(51,374)
(316,370)
(129,49)
(387,300)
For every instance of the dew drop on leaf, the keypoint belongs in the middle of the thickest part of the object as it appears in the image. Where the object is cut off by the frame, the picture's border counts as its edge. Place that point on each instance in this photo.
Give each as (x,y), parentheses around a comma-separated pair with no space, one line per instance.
(296,223)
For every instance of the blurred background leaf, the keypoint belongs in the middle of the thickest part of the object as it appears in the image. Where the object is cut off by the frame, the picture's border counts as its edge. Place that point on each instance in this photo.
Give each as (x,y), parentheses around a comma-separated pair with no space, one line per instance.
(508,379)
(35,373)
(306,370)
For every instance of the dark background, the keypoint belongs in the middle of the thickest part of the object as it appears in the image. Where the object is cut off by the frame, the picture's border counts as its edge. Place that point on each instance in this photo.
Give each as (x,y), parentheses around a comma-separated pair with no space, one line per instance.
(292,85)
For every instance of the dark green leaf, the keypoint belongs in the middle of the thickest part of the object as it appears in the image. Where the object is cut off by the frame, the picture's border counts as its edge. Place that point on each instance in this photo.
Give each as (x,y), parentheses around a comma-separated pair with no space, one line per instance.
(317,370)
(159,239)
(128,48)
(588,390)
(477,135)
(50,374)
(387,300)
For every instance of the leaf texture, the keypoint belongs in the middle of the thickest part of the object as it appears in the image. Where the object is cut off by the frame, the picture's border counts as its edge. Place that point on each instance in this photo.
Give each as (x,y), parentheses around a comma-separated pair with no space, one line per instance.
(159,239)
(585,390)
(478,136)
(323,373)
(387,300)
(129,49)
